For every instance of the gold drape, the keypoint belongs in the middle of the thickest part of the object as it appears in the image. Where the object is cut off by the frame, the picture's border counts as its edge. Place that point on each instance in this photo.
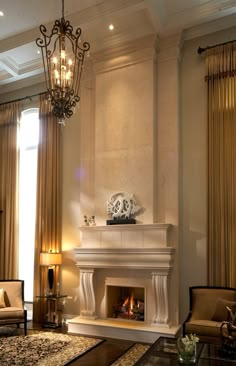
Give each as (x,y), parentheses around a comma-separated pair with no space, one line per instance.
(9,119)
(221,80)
(49,191)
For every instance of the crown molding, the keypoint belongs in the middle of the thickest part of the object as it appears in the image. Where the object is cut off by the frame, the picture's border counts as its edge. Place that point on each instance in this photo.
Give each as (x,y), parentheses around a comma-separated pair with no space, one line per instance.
(14,69)
(221,24)
(125,54)
(15,84)
(85,17)
(4,75)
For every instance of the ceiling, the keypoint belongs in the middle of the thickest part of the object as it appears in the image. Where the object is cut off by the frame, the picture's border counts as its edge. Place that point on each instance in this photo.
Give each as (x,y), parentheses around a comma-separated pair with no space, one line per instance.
(21,64)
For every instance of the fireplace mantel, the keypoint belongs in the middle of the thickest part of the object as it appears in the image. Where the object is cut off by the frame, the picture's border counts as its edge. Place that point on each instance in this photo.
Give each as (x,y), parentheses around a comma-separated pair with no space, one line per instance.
(132,258)
(140,253)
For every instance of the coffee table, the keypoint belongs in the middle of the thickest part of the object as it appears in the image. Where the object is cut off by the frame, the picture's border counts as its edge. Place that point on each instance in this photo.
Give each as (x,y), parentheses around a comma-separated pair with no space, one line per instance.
(164,353)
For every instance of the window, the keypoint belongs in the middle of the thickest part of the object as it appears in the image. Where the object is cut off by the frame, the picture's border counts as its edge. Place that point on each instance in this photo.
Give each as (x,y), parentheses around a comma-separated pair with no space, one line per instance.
(28,141)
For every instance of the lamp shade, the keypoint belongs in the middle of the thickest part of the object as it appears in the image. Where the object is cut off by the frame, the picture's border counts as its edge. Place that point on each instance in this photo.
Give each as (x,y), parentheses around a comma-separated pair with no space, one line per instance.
(50,259)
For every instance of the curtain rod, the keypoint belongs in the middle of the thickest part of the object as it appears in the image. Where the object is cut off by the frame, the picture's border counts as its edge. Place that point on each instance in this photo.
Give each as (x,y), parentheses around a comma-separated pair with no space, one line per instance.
(23,98)
(201,49)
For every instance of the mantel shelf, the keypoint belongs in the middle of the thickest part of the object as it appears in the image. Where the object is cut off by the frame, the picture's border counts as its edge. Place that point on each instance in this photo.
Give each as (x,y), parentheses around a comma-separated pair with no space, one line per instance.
(128,227)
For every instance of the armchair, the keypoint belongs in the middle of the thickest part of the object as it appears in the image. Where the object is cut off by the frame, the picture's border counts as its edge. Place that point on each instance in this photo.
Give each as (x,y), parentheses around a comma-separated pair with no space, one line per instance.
(12,303)
(207,311)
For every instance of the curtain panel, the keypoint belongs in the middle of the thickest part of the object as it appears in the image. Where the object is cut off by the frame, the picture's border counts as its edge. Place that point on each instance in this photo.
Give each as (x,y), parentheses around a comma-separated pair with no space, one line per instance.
(221,82)
(49,198)
(9,119)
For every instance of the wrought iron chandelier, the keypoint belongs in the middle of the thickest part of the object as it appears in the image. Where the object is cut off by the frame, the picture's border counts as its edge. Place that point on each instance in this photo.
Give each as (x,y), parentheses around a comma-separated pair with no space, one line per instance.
(63,55)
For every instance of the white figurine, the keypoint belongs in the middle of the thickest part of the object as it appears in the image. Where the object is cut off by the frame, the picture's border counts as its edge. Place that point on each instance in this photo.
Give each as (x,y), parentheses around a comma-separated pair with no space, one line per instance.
(86,222)
(92,221)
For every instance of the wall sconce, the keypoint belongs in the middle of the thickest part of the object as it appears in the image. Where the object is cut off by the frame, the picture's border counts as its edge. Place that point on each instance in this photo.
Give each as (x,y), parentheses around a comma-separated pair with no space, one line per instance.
(51,260)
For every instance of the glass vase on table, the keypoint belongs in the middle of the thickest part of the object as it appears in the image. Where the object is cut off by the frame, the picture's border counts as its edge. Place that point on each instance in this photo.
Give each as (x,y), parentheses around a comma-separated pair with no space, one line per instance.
(187,349)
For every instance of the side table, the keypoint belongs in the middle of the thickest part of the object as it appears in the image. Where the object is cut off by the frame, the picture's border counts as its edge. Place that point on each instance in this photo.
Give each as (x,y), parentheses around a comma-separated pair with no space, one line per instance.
(54,309)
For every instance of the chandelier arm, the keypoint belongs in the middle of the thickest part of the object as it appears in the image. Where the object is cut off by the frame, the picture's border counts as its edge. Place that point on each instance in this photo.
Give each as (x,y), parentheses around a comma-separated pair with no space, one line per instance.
(77,80)
(77,71)
(48,73)
(44,67)
(74,77)
(45,39)
(86,47)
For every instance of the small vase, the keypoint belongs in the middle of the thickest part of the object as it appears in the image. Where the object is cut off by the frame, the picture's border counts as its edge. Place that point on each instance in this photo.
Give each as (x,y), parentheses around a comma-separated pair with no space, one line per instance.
(186,352)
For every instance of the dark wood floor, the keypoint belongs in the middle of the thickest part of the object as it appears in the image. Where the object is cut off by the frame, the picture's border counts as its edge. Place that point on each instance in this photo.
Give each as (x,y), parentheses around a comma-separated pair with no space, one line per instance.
(102,355)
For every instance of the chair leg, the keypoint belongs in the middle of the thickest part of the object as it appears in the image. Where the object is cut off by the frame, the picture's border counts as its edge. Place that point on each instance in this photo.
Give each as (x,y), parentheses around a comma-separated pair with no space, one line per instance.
(25,323)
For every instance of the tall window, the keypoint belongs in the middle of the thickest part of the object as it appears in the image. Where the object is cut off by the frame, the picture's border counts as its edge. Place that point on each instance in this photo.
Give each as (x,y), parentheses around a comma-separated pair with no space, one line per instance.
(29,134)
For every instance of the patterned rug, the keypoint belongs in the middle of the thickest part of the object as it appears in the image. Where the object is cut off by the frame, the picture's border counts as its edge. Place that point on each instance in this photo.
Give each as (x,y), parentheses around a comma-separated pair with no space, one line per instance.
(132,355)
(43,349)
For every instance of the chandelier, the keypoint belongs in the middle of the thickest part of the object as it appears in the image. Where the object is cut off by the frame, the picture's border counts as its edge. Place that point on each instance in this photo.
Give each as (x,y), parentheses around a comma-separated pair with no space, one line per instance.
(63,55)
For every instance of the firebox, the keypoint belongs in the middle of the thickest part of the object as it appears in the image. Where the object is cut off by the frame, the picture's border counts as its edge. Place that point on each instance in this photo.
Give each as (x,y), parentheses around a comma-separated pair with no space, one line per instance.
(124,302)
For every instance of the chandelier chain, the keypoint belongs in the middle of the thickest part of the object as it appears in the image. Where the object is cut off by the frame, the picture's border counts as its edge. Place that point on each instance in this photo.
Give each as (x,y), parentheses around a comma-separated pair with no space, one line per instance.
(63,15)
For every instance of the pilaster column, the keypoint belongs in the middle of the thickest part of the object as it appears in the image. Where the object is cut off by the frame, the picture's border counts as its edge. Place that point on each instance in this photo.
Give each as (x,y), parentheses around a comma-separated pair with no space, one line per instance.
(160,292)
(87,297)
(167,130)
(167,149)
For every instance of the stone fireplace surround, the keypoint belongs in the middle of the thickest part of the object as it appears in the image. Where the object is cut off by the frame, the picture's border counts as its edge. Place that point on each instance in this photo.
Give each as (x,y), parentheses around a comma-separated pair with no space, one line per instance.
(136,255)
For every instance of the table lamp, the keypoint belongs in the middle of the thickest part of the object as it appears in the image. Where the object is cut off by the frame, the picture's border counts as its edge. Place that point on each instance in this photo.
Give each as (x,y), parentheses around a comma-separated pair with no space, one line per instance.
(51,260)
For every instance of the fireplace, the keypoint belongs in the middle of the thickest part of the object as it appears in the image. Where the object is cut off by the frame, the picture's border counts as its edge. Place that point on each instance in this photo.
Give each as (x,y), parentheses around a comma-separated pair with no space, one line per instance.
(126,261)
(126,303)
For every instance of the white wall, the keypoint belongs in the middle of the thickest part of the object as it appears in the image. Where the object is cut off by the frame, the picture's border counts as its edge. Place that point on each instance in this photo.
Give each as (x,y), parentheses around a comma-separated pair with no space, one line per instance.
(124,130)
(107,147)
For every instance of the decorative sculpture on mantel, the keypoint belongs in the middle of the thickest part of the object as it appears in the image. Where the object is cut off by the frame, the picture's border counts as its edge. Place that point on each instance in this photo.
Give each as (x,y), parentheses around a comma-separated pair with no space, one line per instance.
(122,206)
(89,221)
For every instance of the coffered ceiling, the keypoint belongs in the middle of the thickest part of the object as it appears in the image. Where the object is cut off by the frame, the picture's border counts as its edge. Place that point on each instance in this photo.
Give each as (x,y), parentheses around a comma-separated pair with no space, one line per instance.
(20,62)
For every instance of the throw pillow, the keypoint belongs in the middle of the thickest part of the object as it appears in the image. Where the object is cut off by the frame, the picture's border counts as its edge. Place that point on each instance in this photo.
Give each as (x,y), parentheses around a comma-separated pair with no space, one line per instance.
(2,301)
(221,312)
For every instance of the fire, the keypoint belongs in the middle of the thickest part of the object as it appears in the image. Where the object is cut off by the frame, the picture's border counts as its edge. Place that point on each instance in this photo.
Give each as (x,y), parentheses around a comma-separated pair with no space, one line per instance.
(126,302)
(129,303)
(131,307)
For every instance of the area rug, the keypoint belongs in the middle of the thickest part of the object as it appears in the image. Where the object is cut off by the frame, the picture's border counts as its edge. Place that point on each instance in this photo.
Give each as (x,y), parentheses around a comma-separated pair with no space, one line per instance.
(43,349)
(132,355)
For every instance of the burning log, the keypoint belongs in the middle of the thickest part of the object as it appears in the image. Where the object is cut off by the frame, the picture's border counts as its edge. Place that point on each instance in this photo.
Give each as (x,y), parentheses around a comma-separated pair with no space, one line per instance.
(129,308)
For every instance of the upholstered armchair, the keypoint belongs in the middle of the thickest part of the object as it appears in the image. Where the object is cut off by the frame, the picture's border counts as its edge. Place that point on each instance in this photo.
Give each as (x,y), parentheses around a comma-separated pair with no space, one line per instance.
(207,310)
(12,303)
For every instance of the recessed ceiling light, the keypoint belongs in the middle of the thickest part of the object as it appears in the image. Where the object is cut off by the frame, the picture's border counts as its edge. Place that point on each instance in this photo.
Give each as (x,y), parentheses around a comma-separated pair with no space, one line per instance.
(1,13)
(111,27)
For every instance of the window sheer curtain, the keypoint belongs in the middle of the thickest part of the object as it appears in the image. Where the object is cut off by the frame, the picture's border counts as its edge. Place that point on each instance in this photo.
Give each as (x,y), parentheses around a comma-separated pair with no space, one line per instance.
(49,198)
(9,119)
(221,81)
